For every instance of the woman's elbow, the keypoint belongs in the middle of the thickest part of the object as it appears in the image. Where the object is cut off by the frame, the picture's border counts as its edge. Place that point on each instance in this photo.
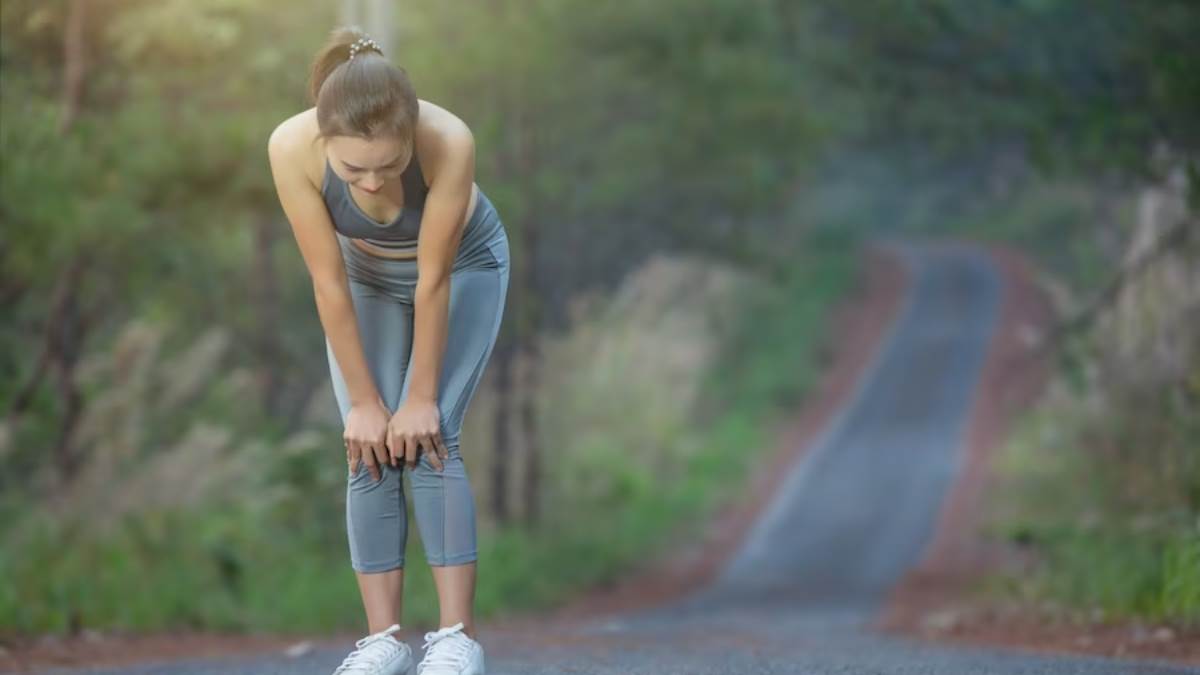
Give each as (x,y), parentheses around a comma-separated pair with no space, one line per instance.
(329,290)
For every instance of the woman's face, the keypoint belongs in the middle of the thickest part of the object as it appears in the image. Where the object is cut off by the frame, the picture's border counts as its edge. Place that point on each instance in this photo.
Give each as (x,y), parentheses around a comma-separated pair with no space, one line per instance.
(367,165)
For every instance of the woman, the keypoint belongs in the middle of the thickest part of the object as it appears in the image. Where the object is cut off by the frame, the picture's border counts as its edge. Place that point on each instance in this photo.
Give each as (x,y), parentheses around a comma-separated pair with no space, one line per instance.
(410,267)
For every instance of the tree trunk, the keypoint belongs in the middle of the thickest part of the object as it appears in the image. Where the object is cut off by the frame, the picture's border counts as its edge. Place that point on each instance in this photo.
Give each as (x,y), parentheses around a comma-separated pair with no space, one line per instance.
(266,298)
(60,307)
(525,125)
(65,344)
(502,452)
(529,423)
(74,63)
(375,17)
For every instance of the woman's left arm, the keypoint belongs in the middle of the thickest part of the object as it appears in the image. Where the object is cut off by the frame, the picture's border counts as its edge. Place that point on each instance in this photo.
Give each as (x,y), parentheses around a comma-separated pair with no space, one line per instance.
(452,147)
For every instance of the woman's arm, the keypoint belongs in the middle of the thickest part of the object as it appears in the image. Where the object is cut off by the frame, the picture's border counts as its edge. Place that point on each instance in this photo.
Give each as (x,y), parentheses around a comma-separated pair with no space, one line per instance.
(318,244)
(449,151)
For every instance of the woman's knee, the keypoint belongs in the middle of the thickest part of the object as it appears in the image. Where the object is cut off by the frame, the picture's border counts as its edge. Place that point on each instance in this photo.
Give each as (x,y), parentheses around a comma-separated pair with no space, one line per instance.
(361,481)
(452,464)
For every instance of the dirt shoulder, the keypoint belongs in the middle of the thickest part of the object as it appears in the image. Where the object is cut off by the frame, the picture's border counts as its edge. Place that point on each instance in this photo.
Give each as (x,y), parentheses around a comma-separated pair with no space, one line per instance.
(937,599)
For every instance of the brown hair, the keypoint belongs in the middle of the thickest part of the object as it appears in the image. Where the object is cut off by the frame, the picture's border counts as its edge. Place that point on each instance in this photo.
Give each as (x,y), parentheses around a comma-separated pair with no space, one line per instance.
(366,96)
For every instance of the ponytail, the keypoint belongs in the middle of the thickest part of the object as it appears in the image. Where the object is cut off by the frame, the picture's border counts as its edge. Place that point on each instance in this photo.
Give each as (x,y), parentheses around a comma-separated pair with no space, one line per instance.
(357,91)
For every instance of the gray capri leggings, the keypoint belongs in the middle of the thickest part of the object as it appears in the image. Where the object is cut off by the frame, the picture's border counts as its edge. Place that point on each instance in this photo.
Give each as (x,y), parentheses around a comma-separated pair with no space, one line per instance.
(382,291)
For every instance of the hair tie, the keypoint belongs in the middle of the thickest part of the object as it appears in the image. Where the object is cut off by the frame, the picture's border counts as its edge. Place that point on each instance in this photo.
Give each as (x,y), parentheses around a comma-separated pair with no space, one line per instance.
(361,44)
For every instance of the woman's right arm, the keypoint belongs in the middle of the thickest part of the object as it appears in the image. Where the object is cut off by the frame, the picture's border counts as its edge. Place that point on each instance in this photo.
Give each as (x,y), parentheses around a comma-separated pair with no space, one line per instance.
(313,229)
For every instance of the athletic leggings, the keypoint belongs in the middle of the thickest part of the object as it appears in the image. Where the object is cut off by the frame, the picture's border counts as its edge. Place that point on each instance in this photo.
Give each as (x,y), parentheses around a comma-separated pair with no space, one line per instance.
(382,291)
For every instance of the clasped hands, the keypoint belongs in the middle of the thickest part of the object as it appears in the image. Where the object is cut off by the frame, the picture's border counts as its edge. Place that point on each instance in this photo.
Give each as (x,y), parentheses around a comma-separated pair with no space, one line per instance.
(374,435)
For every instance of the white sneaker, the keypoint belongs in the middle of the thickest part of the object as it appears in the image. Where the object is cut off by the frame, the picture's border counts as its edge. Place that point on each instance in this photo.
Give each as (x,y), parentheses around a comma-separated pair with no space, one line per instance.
(378,654)
(450,651)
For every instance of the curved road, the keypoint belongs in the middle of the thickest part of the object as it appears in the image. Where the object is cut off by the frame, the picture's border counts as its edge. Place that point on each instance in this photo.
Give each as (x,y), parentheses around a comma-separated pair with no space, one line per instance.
(853,515)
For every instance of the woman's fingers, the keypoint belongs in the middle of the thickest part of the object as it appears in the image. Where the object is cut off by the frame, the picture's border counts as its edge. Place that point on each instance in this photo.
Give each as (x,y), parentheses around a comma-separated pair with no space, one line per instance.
(393,449)
(400,447)
(381,454)
(432,451)
(410,452)
(373,455)
(352,457)
(369,458)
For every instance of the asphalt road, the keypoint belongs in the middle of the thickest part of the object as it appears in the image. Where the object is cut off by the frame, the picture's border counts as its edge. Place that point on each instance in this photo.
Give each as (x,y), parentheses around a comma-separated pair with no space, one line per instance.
(852,516)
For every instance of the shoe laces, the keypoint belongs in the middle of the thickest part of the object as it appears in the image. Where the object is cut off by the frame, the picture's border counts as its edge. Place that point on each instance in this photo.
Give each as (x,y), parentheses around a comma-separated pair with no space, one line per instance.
(448,647)
(371,652)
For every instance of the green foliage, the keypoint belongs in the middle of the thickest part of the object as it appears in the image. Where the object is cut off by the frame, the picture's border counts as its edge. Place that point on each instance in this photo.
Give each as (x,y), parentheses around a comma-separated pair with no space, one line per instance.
(1111,504)
(768,361)
(1084,83)
(1123,572)
(1180,590)
(222,568)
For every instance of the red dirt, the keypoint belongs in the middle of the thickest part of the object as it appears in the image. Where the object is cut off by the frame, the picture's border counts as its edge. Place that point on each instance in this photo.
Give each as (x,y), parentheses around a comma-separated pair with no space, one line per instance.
(937,599)
(95,649)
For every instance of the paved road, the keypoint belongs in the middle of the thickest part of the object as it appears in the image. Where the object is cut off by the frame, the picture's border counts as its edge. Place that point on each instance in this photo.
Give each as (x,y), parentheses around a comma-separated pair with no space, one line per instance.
(848,521)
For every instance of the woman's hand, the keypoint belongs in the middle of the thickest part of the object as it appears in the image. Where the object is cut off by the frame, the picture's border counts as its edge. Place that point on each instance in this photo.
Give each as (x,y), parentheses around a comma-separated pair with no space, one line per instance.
(366,436)
(416,423)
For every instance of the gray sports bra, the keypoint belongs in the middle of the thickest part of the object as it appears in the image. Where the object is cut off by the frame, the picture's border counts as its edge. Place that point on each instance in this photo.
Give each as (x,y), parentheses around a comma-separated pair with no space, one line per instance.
(353,222)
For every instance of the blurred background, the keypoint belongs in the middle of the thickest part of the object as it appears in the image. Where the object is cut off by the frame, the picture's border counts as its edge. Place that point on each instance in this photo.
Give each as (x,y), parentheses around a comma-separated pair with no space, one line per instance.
(687,186)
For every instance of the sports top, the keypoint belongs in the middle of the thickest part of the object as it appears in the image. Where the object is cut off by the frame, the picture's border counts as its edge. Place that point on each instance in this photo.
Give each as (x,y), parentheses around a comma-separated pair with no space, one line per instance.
(352,221)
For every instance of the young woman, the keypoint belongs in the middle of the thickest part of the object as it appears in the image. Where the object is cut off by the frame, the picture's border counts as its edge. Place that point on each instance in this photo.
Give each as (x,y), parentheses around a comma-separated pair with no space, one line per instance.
(410,265)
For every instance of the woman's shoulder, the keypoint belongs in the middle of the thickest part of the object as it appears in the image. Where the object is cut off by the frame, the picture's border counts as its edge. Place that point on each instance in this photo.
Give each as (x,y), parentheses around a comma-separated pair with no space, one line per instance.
(297,137)
(438,124)
(440,134)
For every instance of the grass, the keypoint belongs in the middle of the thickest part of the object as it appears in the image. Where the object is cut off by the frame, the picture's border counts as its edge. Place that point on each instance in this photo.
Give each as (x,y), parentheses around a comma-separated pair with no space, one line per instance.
(1111,505)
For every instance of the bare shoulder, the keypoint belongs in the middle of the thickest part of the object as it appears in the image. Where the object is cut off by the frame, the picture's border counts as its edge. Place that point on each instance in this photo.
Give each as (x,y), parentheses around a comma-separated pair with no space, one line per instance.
(434,117)
(441,136)
(293,142)
(292,154)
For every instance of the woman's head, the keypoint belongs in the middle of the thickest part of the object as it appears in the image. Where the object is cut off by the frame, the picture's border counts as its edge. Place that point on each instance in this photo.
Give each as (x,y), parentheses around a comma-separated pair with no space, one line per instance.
(366,107)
